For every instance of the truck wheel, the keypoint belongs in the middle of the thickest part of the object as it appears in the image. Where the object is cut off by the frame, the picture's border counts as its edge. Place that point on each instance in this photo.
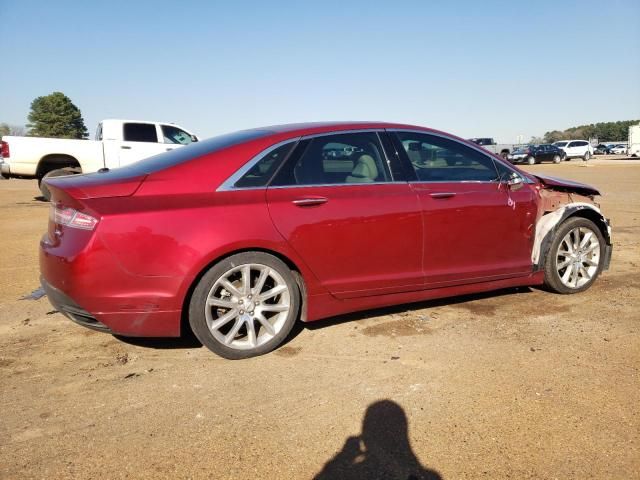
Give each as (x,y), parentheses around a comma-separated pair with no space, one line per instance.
(504,155)
(531,160)
(59,172)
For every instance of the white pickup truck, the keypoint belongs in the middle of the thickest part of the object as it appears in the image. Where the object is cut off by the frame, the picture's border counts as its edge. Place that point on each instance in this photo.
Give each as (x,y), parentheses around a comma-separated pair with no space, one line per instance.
(117,143)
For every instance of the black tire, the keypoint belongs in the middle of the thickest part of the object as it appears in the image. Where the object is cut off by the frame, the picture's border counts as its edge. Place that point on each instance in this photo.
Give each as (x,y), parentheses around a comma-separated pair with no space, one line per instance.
(59,172)
(552,277)
(586,157)
(504,155)
(198,302)
(556,159)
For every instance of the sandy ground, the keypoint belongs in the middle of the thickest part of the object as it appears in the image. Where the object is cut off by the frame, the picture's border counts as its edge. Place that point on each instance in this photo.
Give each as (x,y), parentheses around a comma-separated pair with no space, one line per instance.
(513,384)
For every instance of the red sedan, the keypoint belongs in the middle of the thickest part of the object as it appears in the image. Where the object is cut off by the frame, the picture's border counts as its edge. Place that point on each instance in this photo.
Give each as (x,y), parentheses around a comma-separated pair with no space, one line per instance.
(239,236)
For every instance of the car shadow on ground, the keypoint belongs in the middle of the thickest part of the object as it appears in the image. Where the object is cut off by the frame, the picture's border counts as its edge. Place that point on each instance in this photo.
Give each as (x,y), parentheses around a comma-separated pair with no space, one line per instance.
(403,308)
(188,340)
(382,450)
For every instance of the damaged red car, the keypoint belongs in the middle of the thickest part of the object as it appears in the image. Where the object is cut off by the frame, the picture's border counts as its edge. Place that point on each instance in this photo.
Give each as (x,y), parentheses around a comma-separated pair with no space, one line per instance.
(240,236)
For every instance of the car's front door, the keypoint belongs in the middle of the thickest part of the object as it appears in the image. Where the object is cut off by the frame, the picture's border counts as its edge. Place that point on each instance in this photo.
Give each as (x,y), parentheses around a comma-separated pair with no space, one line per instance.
(476,227)
(336,203)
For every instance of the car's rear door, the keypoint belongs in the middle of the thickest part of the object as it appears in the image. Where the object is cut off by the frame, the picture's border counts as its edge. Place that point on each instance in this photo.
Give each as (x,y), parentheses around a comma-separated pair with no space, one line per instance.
(139,140)
(355,225)
(475,227)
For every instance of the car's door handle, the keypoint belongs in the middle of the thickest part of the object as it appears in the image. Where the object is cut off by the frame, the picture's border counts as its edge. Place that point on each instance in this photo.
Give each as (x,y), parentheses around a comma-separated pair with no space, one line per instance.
(125,147)
(309,201)
(442,194)
(169,149)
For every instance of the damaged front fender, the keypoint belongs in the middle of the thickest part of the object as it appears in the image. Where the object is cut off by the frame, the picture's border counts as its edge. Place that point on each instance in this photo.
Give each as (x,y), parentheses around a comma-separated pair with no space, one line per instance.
(556,207)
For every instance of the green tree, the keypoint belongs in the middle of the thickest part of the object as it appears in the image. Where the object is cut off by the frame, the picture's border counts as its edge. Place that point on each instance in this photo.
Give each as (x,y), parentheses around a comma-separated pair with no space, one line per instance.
(5,129)
(56,116)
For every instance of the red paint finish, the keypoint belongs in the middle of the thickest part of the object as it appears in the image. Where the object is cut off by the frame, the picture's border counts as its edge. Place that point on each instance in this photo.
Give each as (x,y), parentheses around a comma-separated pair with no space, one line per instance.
(356,246)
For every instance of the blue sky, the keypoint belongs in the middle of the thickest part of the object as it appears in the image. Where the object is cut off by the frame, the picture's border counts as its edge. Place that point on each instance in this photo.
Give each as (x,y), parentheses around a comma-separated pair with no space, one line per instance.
(473,68)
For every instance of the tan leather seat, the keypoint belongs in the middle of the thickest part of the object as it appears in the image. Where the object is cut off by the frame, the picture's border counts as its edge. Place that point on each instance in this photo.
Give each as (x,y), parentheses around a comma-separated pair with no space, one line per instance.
(365,170)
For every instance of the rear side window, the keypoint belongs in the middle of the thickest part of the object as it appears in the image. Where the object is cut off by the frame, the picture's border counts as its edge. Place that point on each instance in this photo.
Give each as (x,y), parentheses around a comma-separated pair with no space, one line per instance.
(439,159)
(345,158)
(140,132)
(260,174)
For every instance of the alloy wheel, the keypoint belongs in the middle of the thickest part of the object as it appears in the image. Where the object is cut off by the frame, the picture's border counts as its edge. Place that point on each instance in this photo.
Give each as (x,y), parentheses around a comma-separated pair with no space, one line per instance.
(247,306)
(578,257)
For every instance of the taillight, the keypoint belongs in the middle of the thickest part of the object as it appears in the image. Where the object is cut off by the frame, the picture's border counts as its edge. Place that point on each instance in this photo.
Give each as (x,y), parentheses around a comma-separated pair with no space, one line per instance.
(70,217)
(4,149)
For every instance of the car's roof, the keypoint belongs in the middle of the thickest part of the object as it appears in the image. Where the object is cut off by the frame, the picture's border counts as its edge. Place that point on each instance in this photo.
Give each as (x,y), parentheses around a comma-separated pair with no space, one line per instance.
(309,128)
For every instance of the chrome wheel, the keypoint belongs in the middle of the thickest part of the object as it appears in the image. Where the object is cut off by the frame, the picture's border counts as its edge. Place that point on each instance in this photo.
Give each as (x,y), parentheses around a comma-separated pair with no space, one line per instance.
(247,306)
(578,257)
(556,159)
(531,160)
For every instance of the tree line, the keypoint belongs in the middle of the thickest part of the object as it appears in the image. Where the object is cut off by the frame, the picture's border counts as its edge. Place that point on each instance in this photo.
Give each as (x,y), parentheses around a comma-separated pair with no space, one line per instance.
(604,132)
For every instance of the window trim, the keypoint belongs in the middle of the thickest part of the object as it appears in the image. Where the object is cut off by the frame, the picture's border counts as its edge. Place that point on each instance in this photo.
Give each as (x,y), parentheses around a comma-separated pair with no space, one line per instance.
(472,146)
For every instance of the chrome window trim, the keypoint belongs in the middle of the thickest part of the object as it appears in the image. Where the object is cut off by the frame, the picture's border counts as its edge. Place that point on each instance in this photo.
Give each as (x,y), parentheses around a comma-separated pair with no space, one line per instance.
(324,185)
(473,147)
(228,184)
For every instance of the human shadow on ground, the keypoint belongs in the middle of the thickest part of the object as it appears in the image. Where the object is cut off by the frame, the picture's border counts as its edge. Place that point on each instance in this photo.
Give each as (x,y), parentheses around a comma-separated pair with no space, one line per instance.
(381,451)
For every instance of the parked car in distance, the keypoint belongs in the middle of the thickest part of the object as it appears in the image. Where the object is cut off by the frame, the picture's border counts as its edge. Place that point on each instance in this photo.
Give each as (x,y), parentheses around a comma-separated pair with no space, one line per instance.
(244,234)
(532,154)
(117,143)
(575,149)
(502,149)
(602,149)
(619,150)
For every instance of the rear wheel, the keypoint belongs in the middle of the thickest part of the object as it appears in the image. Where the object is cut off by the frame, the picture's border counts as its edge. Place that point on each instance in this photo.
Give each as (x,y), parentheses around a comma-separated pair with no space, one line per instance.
(556,159)
(576,256)
(245,305)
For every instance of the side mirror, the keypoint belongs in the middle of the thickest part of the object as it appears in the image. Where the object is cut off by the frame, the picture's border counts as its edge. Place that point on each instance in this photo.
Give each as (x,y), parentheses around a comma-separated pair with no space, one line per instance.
(512,181)
(194,138)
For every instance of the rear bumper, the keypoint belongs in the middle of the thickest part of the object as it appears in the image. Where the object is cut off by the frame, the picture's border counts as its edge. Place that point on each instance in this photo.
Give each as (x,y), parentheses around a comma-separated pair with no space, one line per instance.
(71,309)
(90,288)
(5,169)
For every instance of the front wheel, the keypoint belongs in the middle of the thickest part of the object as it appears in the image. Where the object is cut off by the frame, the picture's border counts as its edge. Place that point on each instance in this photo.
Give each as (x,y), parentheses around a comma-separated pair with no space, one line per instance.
(531,160)
(245,305)
(586,157)
(576,256)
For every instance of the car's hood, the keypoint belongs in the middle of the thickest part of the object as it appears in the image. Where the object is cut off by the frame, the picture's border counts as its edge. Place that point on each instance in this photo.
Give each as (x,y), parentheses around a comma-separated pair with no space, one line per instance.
(567,185)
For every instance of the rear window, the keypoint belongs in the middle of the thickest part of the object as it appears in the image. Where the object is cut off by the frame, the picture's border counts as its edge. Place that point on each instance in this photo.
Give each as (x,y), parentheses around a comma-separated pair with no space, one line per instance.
(189,152)
(140,132)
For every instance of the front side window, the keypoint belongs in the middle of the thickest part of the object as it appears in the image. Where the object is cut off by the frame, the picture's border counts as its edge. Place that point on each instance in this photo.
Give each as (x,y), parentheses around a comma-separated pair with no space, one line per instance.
(262,171)
(346,158)
(439,159)
(171,134)
(140,132)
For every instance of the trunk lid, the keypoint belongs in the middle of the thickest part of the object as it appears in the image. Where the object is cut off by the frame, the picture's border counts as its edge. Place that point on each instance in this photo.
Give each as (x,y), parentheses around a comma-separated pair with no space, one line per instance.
(103,184)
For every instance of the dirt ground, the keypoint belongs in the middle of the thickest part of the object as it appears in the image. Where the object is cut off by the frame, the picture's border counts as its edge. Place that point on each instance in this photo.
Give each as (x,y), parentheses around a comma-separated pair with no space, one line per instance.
(513,384)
